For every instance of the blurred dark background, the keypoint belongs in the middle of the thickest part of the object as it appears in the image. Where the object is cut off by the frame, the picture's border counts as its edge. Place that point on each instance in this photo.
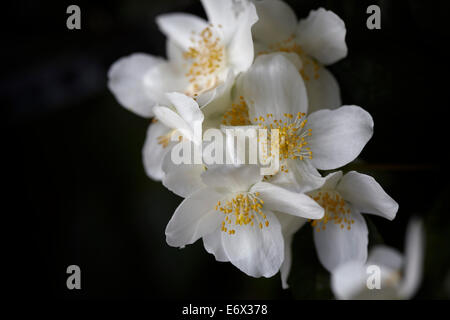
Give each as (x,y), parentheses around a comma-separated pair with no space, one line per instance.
(76,190)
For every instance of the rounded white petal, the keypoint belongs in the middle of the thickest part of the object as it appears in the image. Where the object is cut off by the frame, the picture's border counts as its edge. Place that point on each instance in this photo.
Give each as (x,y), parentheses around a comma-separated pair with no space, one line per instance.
(336,246)
(323,90)
(322,35)
(273,85)
(382,255)
(285,201)
(414,255)
(172,120)
(348,280)
(213,245)
(338,136)
(153,153)
(186,107)
(301,176)
(364,193)
(195,217)
(126,81)
(229,178)
(256,252)
(277,21)
(182,179)
(179,27)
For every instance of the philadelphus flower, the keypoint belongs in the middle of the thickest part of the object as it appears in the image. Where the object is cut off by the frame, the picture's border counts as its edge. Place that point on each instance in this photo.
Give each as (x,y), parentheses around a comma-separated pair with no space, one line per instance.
(182,119)
(341,235)
(200,56)
(233,214)
(400,276)
(317,40)
(275,96)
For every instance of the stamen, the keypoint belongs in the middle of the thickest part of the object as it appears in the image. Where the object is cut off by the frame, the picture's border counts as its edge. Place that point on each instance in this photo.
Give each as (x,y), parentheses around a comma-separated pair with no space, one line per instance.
(244,209)
(238,115)
(336,210)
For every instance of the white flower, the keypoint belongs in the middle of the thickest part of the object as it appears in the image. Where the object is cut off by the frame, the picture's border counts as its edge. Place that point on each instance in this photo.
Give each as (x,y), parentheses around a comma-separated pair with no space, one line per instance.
(400,276)
(233,214)
(182,120)
(200,56)
(318,40)
(326,139)
(341,235)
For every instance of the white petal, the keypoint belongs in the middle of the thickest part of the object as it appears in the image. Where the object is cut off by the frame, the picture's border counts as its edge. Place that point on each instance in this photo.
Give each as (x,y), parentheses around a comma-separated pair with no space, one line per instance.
(179,27)
(172,120)
(186,107)
(182,179)
(322,35)
(273,85)
(277,21)
(331,180)
(195,217)
(256,252)
(336,246)
(382,255)
(285,201)
(153,153)
(338,136)
(229,178)
(364,193)
(175,56)
(240,50)
(126,81)
(323,90)
(289,225)
(305,175)
(348,280)
(415,242)
(213,245)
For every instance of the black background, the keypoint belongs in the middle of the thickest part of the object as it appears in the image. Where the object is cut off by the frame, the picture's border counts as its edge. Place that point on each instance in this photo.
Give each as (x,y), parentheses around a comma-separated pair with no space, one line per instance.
(76,191)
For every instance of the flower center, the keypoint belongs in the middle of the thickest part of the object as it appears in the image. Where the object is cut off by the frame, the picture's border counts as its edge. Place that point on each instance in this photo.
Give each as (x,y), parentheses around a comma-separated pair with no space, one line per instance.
(243,209)
(336,210)
(310,66)
(237,115)
(206,57)
(291,134)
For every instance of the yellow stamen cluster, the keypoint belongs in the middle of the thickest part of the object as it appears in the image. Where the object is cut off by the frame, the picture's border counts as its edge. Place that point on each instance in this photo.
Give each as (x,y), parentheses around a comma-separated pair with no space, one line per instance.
(237,115)
(243,209)
(336,211)
(292,137)
(206,56)
(290,46)
(164,140)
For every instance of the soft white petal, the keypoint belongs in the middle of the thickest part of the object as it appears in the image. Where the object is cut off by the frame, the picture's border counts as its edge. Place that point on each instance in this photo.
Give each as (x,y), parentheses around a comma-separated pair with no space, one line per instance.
(195,217)
(338,136)
(172,120)
(186,107)
(240,50)
(332,180)
(414,255)
(364,193)
(182,179)
(322,89)
(289,225)
(229,178)
(348,280)
(153,153)
(277,21)
(179,27)
(285,201)
(126,81)
(382,255)
(306,177)
(273,85)
(175,56)
(336,246)
(322,35)
(213,245)
(256,252)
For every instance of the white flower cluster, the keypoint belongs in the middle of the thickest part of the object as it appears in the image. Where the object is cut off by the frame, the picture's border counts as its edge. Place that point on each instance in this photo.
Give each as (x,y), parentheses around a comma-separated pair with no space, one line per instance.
(253,64)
